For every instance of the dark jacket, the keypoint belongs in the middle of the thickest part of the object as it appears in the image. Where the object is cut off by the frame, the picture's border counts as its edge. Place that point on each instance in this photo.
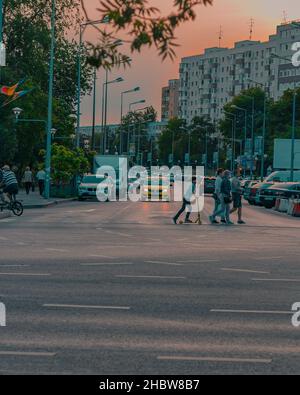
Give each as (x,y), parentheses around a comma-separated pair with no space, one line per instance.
(226,187)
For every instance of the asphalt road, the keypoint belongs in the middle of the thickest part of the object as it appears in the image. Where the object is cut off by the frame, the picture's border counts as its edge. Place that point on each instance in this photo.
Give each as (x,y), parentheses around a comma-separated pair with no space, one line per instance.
(115,288)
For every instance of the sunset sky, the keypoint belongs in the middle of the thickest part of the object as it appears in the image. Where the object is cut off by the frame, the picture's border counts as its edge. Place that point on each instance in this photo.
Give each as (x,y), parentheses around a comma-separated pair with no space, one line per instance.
(150,73)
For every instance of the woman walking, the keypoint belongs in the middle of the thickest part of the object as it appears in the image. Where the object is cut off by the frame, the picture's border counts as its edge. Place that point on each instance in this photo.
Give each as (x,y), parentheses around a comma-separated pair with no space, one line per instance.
(28,179)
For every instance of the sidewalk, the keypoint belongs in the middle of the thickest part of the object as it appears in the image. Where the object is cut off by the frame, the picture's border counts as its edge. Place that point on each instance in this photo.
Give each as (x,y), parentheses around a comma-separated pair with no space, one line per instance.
(34,200)
(5,214)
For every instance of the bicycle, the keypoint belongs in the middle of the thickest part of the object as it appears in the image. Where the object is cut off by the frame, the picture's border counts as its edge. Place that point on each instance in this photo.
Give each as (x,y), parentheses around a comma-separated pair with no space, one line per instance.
(14,205)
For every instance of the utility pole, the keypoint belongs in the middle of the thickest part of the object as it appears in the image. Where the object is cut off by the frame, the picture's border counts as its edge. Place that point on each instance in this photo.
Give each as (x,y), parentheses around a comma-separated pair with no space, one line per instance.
(94,109)
(50,102)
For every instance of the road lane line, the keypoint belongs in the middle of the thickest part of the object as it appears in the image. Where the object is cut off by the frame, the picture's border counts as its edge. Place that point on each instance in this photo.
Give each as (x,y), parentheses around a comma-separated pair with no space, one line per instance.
(70,306)
(56,250)
(212,359)
(102,256)
(278,280)
(14,266)
(243,271)
(110,232)
(164,263)
(26,274)
(251,312)
(27,354)
(268,258)
(200,261)
(153,277)
(107,264)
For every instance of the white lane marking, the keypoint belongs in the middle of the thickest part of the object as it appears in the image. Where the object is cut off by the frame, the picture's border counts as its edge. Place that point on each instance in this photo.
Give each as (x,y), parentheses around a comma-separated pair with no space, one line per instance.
(4,238)
(200,261)
(250,311)
(284,280)
(268,258)
(7,220)
(154,277)
(164,263)
(106,264)
(110,232)
(26,274)
(212,359)
(56,250)
(14,266)
(102,256)
(243,271)
(27,354)
(70,306)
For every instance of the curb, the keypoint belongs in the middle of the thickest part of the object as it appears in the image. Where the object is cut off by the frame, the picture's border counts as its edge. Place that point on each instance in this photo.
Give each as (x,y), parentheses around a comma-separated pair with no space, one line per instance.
(48,204)
(5,215)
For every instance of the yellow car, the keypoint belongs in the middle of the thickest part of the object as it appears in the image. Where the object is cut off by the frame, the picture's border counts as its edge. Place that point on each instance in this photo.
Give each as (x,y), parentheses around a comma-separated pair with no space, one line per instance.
(156,189)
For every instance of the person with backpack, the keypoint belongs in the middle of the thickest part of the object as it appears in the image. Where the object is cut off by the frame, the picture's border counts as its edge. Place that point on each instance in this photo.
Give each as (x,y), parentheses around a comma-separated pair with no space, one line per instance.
(226,197)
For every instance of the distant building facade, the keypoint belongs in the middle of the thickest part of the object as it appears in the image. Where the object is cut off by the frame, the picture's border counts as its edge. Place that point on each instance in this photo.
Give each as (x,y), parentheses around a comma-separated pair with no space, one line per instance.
(170,101)
(209,81)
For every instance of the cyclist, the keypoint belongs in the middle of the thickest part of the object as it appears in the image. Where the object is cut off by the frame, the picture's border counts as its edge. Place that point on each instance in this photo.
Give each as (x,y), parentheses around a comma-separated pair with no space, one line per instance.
(9,183)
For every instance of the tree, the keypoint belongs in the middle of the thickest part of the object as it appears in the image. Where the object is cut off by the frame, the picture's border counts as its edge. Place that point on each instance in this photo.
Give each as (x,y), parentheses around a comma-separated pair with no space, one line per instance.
(200,131)
(67,164)
(27,38)
(144,25)
(135,131)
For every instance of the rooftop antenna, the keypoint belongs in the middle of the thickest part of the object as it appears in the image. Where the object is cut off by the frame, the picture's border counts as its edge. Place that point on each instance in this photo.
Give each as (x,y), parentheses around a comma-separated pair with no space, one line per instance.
(220,36)
(251,28)
(285,17)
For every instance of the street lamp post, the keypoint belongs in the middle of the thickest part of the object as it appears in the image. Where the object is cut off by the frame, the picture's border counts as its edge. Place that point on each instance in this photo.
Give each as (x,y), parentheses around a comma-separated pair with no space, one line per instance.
(81,31)
(264,128)
(233,138)
(94,109)
(245,132)
(293,122)
(1,21)
(105,107)
(49,132)
(137,89)
(50,102)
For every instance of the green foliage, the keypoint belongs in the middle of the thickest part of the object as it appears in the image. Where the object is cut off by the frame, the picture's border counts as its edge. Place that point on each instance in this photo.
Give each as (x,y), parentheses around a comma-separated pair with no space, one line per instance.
(143,23)
(200,131)
(27,38)
(67,164)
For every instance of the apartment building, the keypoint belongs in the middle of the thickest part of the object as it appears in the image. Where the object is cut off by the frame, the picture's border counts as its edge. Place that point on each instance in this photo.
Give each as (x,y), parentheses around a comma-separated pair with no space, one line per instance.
(210,80)
(170,101)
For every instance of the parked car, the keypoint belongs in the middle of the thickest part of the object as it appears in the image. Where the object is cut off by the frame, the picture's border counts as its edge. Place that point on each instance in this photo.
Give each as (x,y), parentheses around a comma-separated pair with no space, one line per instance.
(209,185)
(283,176)
(282,190)
(255,190)
(247,188)
(87,188)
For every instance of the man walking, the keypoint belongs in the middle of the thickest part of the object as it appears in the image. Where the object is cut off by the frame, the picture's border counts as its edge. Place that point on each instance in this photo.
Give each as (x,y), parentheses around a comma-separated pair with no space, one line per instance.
(226,198)
(218,210)
(41,177)
(237,193)
(28,179)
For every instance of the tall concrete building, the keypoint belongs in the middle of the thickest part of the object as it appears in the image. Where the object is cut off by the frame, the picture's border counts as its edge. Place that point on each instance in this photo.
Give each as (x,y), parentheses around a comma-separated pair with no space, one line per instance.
(210,80)
(170,101)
